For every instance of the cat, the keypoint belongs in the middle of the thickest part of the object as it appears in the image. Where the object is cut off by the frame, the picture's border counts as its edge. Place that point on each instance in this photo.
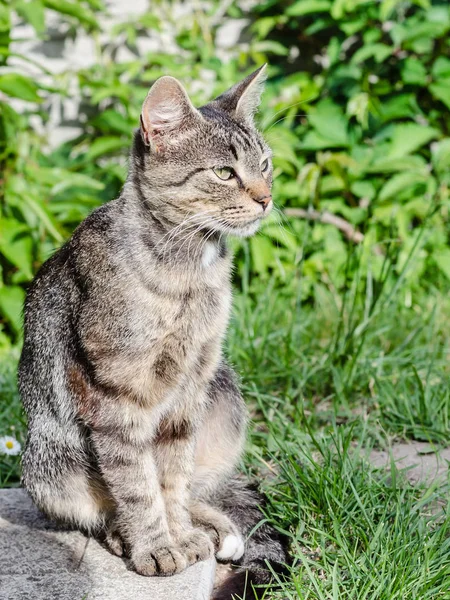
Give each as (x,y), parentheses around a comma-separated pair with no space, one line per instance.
(135,419)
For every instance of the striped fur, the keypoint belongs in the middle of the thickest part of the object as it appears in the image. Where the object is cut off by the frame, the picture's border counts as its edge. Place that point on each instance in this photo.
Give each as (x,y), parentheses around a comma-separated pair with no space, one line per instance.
(135,420)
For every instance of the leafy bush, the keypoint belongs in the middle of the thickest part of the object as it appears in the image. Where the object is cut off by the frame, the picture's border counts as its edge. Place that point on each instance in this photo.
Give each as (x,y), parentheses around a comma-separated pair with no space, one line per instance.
(356,111)
(371,81)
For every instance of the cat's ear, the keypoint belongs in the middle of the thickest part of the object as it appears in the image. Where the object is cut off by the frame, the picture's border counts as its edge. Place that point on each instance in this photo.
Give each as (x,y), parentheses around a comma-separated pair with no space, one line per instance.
(166,110)
(243,99)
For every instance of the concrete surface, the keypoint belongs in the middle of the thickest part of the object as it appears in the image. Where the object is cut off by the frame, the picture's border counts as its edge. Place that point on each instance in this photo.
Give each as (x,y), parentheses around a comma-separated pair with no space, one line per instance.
(38,561)
(420,461)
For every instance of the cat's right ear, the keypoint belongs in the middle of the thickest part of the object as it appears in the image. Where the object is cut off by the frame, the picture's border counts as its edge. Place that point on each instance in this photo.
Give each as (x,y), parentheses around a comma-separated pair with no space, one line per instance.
(165,111)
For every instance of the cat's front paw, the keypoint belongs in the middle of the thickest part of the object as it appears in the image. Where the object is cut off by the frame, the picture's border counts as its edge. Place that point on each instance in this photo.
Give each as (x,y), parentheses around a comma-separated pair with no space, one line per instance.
(196,546)
(114,541)
(163,561)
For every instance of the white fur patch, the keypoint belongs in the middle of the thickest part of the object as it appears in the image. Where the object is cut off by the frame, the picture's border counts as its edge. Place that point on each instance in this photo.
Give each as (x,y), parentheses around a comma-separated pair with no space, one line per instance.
(209,254)
(232,548)
(240,551)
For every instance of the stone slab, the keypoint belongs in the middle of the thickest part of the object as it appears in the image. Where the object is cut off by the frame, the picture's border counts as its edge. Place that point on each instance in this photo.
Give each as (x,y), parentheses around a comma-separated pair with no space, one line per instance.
(40,561)
(419,460)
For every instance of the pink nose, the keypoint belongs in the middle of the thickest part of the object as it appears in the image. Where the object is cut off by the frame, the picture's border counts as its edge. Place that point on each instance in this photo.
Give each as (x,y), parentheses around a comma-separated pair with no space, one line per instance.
(263,200)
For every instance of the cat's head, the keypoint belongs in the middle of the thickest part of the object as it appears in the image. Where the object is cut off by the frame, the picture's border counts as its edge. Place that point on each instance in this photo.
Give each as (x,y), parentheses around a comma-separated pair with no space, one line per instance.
(208,166)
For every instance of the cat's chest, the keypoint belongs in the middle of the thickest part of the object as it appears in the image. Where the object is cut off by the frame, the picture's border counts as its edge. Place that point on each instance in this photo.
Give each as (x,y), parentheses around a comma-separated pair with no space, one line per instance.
(158,335)
(190,318)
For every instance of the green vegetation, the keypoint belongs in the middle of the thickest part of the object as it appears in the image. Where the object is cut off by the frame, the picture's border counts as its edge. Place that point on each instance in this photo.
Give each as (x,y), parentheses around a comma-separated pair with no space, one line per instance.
(341,327)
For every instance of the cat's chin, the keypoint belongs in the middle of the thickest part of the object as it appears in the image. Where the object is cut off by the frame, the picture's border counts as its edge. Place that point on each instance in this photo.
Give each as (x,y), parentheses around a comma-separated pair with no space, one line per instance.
(244,231)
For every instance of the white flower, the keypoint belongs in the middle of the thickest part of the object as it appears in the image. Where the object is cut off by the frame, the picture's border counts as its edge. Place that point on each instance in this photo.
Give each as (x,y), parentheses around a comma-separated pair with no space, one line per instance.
(9,445)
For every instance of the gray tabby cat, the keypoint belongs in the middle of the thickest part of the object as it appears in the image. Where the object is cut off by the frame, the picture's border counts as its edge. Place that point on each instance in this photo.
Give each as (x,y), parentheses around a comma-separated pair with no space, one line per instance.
(135,419)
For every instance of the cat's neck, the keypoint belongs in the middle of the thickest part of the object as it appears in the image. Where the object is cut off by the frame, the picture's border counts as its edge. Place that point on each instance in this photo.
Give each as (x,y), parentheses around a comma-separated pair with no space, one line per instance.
(174,246)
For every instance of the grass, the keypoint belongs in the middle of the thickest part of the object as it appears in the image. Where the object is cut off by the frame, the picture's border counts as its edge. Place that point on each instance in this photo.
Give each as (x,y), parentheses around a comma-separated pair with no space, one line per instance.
(326,383)
(357,532)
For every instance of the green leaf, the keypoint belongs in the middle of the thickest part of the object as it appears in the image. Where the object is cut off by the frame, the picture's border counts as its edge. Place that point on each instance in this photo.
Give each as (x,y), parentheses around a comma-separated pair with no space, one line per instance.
(41,211)
(305,7)
(387,7)
(440,154)
(413,72)
(330,123)
(73,9)
(5,18)
(353,26)
(263,26)
(398,183)
(104,145)
(407,163)
(262,252)
(19,86)
(112,120)
(33,13)
(330,184)
(379,52)
(406,138)
(12,298)
(150,21)
(441,91)
(363,189)
(16,245)
(398,107)
(76,180)
(338,9)
(9,124)
(419,34)
(271,46)
(283,145)
(441,68)
(442,259)
(358,106)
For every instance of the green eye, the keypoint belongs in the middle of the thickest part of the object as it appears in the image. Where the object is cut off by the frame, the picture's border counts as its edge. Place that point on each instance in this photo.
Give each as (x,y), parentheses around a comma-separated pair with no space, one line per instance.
(264,165)
(224,172)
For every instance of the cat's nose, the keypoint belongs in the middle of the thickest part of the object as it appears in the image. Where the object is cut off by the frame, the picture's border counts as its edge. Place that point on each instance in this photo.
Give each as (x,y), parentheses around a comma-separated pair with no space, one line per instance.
(263,200)
(259,191)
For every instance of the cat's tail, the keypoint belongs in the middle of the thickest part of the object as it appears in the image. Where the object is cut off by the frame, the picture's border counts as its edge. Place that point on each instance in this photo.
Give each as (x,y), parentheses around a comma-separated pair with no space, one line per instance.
(243,503)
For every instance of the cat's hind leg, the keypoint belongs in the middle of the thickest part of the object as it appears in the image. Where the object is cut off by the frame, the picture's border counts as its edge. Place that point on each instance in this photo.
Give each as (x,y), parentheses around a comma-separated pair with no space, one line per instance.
(58,474)
(224,534)
(227,506)
(219,447)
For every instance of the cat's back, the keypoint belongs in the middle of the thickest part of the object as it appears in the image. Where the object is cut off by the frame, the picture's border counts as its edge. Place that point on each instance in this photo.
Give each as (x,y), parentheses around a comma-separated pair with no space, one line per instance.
(55,294)
(51,280)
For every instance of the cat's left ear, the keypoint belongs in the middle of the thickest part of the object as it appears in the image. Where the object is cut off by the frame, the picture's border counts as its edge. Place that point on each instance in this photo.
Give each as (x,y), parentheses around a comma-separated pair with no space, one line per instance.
(243,99)
(166,111)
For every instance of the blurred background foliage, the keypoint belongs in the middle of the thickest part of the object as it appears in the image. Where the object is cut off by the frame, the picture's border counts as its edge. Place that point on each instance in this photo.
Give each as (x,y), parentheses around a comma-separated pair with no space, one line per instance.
(356,111)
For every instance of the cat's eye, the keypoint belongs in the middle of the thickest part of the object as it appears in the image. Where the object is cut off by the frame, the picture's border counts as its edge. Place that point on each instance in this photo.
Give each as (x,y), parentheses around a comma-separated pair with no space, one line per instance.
(265,165)
(224,173)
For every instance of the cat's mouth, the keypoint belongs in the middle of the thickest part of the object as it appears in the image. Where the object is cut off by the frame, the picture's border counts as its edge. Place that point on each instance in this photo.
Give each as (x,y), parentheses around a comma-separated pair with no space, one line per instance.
(244,227)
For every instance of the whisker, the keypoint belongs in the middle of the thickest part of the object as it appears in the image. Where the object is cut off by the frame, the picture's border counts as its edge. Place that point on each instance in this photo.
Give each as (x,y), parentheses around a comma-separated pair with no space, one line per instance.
(177,227)
(205,221)
(182,228)
(283,118)
(263,126)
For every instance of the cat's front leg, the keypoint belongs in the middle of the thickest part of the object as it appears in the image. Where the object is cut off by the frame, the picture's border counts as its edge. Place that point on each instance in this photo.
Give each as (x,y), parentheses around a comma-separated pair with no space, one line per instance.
(131,474)
(175,451)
